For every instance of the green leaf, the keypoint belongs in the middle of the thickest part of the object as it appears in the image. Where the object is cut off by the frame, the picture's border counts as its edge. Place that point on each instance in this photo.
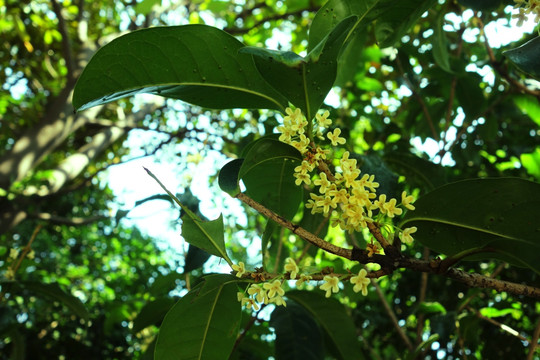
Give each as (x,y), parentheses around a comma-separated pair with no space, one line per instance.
(418,171)
(531,162)
(198,64)
(498,214)
(529,105)
(526,57)
(267,173)
(228,177)
(54,292)
(440,45)
(333,319)
(424,345)
(297,334)
(431,307)
(195,258)
(491,312)
(333,12)
(207,235)
(152,313)
(163,284)
(304,82)
(203,324)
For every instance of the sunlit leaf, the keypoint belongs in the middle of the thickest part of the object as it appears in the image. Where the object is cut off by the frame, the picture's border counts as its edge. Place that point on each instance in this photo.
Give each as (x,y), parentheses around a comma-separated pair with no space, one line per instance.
(499,215)
(333,319)
(203,324)
(305,82)
(207,235)
(198,64)
(431,307)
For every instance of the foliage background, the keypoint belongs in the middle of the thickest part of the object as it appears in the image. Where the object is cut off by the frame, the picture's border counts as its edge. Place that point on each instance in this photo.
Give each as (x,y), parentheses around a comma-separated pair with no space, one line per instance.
(51,160)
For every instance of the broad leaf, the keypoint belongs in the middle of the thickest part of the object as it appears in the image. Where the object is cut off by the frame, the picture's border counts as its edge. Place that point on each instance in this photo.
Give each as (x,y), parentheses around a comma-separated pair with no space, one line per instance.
(305,82)
(526,57)
(163,284)
(152,313)
(333,319)
(440,45)
(207,235)
(198,64)
(297,334)
(418,171)
(203,324)
(392,19)
(498,214)
(228,177)
(195,258)
(267,173)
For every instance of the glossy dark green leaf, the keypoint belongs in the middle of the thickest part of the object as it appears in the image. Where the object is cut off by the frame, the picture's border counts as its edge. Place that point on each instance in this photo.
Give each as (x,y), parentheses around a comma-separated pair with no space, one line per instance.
(152,313)
(198,64)
(195,258)
(202,325)
(501,214)
(527,57)
(440,44)
(298,336)
(267,173)
(163,284)
(333,320)
(207,235)
(228,179)
(54,292)
(304,82)
(334,11)
(418,171)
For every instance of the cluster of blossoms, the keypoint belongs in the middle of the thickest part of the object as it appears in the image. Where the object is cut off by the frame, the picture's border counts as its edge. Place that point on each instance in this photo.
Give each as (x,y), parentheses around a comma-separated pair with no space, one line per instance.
(348,198)
(272,292)
(13,255)
(525,8)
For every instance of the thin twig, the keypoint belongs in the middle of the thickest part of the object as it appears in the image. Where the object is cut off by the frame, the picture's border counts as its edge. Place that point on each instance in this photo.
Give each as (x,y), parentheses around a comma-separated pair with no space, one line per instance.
(533,344)
(392,316)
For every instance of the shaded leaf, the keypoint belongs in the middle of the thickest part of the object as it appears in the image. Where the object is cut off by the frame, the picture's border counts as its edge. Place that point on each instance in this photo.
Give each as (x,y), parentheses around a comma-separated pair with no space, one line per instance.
(198,64)
(418,171)
(207,235)
(163,284)
(297,334)
(500,214)
(203,324)
(526,57)
(333,319)
(228,177)
(267,173)
(152,313)
(424,345)
(195,258)
(440,45)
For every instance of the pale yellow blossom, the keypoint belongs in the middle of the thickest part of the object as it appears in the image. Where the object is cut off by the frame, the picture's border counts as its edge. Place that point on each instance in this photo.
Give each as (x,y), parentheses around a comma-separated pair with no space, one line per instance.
(406,235)
(240,269)
(291,267)
(331,284)
(360,282)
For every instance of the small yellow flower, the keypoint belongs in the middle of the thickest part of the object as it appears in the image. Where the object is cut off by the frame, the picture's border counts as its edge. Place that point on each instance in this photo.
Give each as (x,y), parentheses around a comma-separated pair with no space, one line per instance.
(13,253)
(31,255)
(372,249)
(331,284)
(335,138)
(274,288)
(10,274)
(257,292)
(278,300)
(291,267)
(250,303)
(240,269)
(322,119)
(406,235)
(322,182)
(302,178)
(302,280)
(391,209)
(360,282)
(406,200)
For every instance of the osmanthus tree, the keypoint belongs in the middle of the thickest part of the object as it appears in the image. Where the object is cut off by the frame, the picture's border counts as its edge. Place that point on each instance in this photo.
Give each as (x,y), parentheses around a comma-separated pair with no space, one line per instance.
(348,258)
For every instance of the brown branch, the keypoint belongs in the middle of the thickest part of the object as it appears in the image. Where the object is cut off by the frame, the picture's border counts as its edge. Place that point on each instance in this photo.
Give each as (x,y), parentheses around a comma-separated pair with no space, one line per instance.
(393,258)
(419,99)
(501,326)
(533,344)
(392,316)
(422,298)
(66,45)
(274,17)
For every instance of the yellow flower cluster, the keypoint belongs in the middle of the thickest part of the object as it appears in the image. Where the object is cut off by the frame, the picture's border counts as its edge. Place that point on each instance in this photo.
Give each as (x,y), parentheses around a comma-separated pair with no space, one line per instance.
(346,196)
(272,292)
(525,8)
